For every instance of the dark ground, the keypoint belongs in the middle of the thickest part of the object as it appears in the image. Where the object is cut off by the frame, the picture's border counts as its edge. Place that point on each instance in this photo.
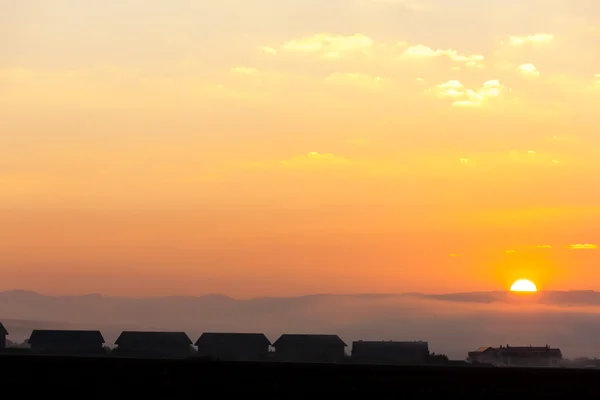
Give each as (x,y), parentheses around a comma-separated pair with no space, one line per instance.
(120,378)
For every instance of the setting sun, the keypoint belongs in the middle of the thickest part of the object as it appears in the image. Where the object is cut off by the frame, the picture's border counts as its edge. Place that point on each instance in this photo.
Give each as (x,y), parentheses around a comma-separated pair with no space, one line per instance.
(523,285)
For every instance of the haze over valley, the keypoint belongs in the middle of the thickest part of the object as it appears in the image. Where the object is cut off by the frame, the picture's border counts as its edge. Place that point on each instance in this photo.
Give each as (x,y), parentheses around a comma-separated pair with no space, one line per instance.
(453,323)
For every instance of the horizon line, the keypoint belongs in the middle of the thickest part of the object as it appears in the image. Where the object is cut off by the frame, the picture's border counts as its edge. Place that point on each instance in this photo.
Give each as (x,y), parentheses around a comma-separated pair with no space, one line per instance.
(288,297)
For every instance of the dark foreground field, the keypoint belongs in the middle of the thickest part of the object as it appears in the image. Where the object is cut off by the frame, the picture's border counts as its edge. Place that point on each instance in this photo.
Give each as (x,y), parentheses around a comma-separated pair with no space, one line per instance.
(114,378)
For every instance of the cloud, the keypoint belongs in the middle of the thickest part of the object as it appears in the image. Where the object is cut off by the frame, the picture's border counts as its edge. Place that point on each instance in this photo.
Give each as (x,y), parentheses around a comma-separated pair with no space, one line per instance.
(422,51)
(529,70)
(356,79)
(268,50)
(582,246)
(464,97)
(535,38)
(328,45)
(452,88)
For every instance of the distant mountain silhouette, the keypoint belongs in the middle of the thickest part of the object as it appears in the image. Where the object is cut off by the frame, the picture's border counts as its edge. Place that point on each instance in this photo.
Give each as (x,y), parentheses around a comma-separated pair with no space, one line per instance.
(453,323)
(555,298)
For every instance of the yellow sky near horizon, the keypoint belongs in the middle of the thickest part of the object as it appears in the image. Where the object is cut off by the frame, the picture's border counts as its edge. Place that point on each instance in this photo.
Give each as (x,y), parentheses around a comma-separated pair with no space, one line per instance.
(287,147)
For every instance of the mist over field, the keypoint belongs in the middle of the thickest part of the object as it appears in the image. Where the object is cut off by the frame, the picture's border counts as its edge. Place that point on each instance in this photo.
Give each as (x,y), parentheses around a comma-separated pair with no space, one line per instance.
(452,323)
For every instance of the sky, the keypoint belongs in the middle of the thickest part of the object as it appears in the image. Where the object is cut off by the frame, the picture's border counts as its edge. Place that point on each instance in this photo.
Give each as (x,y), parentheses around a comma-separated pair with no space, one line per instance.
(286,147)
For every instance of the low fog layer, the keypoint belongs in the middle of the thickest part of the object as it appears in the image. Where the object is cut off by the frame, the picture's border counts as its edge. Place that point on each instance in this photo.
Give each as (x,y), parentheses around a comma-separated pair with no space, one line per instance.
(452,323)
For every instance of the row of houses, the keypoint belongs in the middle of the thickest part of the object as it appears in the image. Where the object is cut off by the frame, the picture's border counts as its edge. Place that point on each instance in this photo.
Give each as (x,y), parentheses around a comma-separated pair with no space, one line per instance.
(225,346)
(257,347)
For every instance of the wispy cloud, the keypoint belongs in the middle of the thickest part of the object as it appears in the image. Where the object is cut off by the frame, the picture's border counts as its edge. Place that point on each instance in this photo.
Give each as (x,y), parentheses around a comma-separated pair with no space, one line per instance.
(586,246)
(422,51)
(329,45)
(268,50)
(535,38)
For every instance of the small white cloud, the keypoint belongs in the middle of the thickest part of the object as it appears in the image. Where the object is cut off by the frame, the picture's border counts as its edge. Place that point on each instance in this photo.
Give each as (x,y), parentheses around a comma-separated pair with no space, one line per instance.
(268,50)
(529,70)
(474,97)
(452,88)
(422,51)
(491,88)
(464,97)
(536,38)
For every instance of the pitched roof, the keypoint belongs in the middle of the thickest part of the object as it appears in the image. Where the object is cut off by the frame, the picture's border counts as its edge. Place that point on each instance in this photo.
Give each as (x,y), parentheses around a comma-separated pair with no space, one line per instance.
(249,339)
(526,348)
(127,338)
(65,337)
(3,330)
(529,350)
(295,339)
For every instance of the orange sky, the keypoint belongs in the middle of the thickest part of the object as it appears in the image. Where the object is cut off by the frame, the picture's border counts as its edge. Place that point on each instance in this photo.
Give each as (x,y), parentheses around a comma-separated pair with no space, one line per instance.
(280,147)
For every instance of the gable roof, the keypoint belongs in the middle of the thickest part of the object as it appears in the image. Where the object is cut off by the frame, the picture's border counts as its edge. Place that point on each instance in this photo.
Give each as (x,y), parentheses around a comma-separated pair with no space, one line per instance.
(127,338)
(248,339)
(3,330)
(56,337)
(529,350)
(307,339)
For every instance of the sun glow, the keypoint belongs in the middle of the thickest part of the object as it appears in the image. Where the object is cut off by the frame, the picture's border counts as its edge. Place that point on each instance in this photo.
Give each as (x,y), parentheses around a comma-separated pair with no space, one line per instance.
(523,285)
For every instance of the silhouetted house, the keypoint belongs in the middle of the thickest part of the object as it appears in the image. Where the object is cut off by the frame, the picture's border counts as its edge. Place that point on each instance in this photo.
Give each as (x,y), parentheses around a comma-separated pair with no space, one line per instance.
(397,353)
(66,342)
(234,346)
(153,344)
(3,335)
(484,355)
(517,356)
(309,348)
